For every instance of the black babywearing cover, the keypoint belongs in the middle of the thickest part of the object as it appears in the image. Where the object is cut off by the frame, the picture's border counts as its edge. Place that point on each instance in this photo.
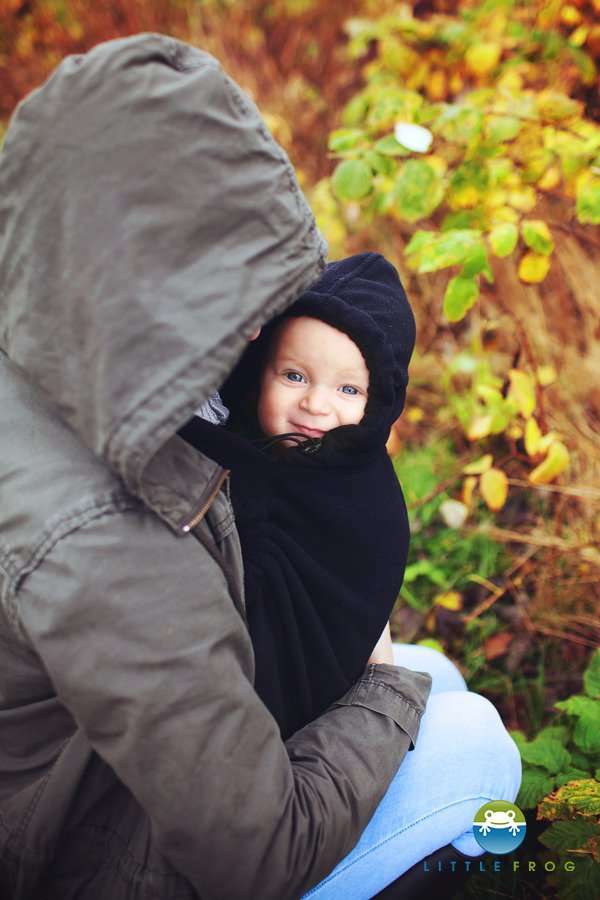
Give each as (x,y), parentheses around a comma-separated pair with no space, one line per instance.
(323,523)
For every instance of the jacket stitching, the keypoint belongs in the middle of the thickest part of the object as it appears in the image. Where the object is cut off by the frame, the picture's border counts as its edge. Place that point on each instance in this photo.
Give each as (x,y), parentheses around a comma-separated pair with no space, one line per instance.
(386,687)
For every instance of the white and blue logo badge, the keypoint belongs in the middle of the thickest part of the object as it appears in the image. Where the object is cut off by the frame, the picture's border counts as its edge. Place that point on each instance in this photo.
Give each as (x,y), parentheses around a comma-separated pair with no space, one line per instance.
(499,826)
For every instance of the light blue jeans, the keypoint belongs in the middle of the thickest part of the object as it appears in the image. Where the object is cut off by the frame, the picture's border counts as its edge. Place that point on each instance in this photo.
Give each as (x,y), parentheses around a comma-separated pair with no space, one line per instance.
(463,757)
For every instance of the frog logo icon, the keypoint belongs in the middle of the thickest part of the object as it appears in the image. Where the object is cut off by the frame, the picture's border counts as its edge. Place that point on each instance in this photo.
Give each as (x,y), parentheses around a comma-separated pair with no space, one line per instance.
(499,826)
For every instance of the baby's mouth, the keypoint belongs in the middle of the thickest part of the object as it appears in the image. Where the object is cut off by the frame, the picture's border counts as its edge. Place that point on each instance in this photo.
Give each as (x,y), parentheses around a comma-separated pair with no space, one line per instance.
(309,432)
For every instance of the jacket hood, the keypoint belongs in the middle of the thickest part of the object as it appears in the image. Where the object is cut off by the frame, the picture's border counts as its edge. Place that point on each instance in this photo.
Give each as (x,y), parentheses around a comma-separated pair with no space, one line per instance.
(363,296)
(148,224)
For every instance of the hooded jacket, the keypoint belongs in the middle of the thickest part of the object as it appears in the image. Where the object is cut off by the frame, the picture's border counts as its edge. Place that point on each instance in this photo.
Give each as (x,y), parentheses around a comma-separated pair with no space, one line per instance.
(323,524)
(148,224)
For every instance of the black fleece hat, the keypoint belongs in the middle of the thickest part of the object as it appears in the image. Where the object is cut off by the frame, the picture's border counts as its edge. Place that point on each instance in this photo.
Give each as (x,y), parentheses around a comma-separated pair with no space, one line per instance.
(361,295)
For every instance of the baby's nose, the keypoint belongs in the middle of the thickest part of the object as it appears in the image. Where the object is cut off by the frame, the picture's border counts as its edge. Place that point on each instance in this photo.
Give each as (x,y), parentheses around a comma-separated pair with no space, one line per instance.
(316,400)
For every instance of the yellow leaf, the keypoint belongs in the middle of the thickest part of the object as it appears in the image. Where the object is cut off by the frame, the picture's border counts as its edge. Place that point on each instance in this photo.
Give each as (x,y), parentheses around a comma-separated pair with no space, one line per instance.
(523,199)
(511,81)
(547,441)
(578,37)
(450,600)
(501,214)
(533,268)
(514,431)
(522,392)
(570,15)
(481,59)
(479,428)
(532,436)
(415,414)
(546,375)
(467,491)
(550,179)
(437,85)
(464,197)
(556,462)
(479,465)
(488,393)
(494,488)
(456,83)
(437,163)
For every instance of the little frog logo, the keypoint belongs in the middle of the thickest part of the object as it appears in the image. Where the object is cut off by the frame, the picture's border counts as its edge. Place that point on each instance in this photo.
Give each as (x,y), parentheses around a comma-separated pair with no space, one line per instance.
(499,826)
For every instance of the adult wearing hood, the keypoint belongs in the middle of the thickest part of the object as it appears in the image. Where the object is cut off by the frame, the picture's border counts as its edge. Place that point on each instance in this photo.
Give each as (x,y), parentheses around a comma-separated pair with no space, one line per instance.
(149,225)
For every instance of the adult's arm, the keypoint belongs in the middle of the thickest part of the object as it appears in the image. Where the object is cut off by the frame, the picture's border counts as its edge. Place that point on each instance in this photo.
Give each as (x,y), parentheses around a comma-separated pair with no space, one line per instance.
(145,647)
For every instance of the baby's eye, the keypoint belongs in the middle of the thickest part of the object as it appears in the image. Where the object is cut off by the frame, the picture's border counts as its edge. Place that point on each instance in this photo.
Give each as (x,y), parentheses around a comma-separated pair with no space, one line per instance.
(349,389)
(296,377)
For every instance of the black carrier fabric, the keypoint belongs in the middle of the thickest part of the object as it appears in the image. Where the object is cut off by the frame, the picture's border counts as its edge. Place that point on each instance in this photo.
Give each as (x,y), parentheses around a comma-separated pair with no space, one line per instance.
(322,524)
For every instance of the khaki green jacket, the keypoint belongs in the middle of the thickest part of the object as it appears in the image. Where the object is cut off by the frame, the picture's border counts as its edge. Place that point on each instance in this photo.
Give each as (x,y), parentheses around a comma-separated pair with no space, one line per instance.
(149,224)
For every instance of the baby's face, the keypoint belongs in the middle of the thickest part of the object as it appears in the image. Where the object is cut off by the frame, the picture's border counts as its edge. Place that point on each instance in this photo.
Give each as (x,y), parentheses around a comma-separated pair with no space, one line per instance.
(315,379)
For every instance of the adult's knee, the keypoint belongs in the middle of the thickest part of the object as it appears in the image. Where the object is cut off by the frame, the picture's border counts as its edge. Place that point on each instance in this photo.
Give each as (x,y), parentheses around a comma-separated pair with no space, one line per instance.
(472,724)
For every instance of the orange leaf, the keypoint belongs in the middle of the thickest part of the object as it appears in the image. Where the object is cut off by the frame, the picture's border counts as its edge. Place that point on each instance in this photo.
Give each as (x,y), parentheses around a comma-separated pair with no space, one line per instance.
(497,644)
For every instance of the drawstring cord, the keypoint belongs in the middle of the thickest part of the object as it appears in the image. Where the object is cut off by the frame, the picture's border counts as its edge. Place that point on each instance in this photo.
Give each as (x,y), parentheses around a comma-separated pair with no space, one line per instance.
(307,445)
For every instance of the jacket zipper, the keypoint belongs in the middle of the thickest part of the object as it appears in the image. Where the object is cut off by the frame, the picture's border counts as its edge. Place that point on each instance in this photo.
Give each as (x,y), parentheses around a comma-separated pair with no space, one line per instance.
(199,515)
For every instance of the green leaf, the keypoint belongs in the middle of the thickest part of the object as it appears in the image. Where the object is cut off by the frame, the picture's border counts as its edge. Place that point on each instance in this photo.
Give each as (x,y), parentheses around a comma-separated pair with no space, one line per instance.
(503,239)
(431,642)
(587,734)
(581,884)
(356,110)
(585,64)
(442,250)
(463,219)
(419,241)
(546,752)
(381,165)
(499,169)
(470,174)
(424,568)
(476,262)
(461,293)
(555,732)
(461,124)
(555,106)
(345,139)
(535,785)
(352,180)
(580,705)
(591,676)
(417,191)
(588,200)
(570,775)
(389,146)
(536,235)
(502,128)
(565,836)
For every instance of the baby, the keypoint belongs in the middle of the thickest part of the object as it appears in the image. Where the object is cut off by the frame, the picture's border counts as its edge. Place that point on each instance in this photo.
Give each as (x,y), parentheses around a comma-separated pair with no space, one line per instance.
(320,513)
(315,379)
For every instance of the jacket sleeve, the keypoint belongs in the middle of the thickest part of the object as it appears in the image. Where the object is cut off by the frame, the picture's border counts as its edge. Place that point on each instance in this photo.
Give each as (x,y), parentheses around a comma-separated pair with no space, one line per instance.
(146,649)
